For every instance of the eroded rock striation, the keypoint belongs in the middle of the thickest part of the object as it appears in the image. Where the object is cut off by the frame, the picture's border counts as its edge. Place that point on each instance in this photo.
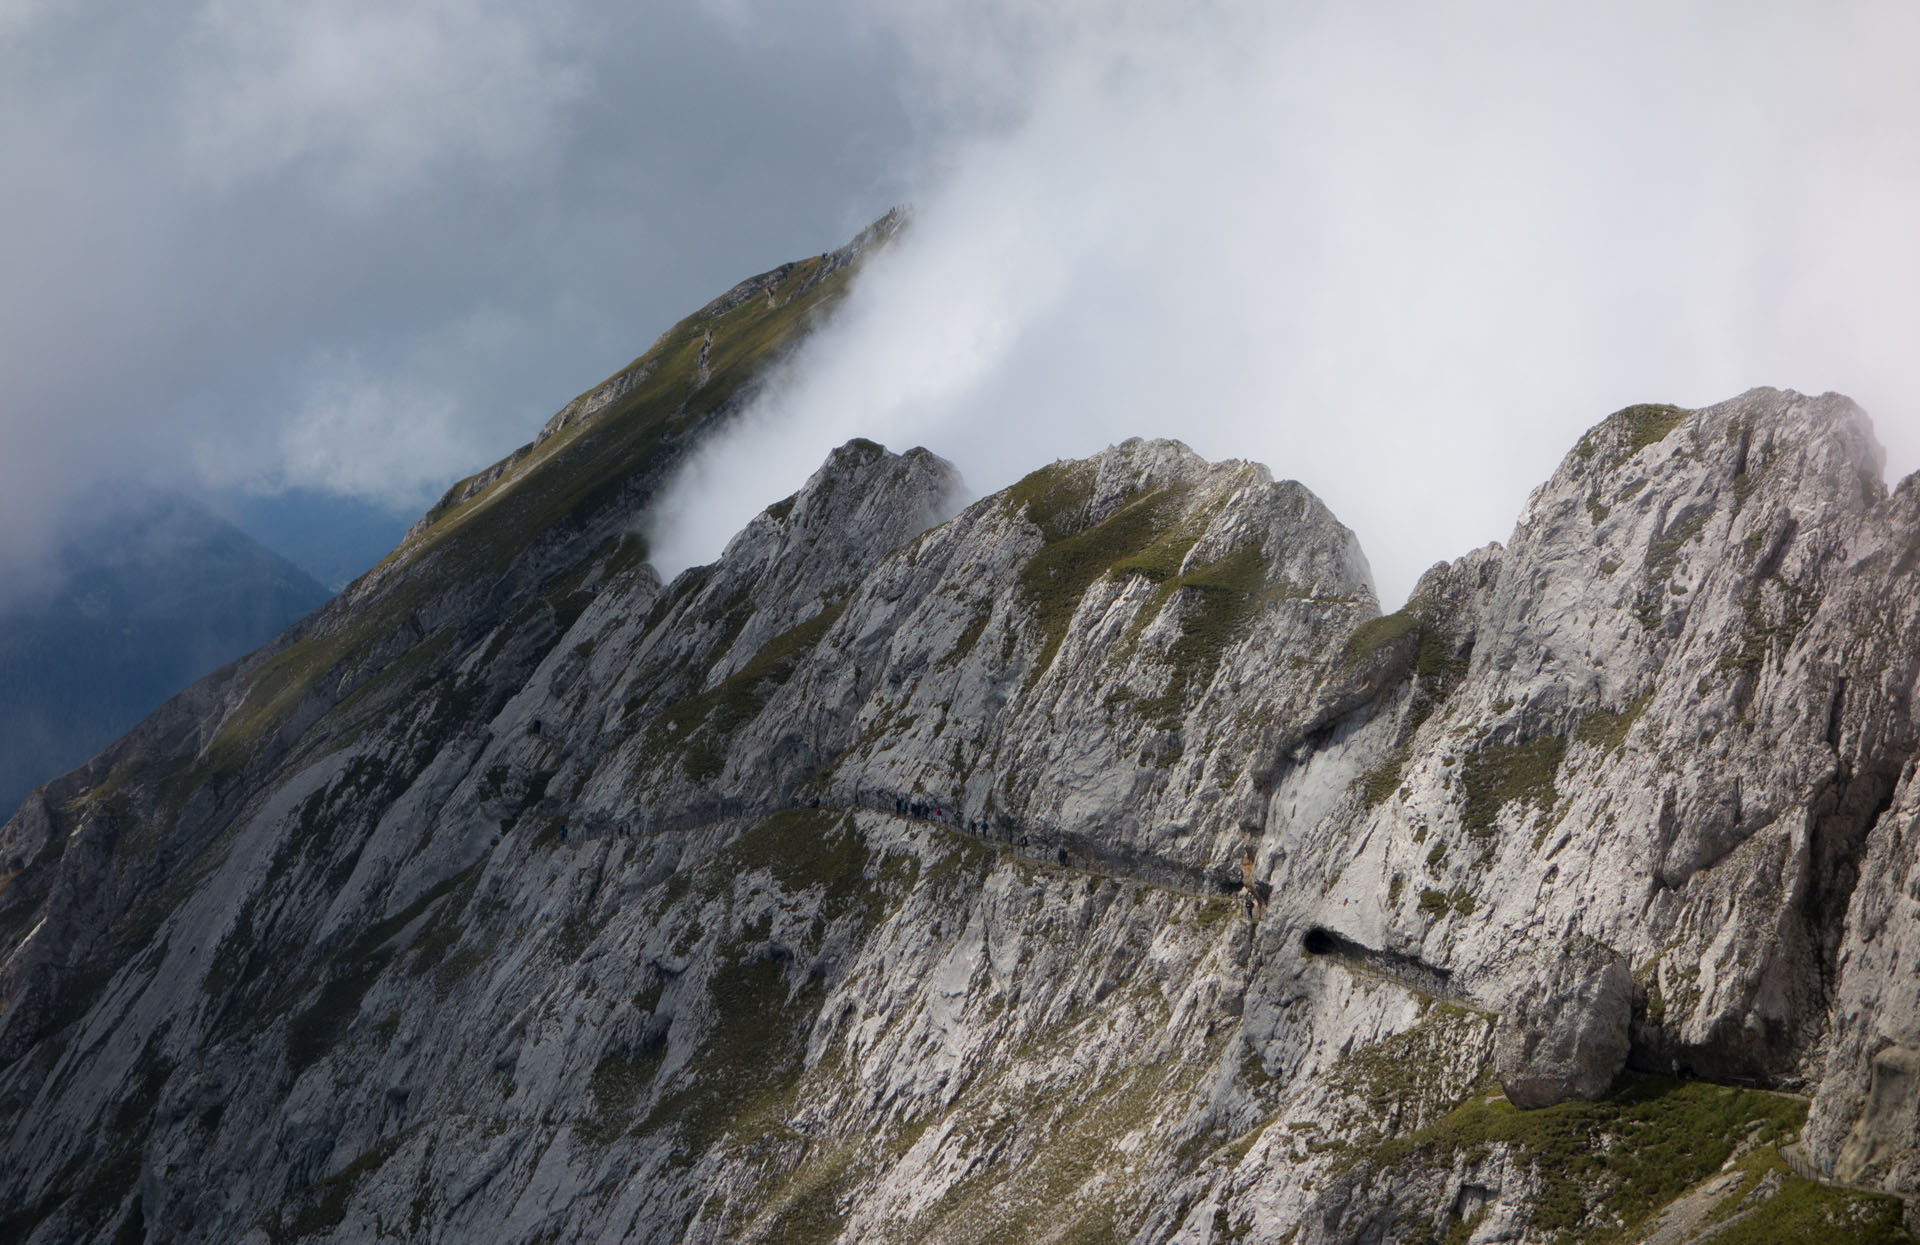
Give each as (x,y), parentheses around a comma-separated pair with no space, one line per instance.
(1092,861)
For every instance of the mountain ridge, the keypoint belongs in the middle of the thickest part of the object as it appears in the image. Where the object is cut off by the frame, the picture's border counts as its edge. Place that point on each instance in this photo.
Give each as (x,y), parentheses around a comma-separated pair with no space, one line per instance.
(1093,862)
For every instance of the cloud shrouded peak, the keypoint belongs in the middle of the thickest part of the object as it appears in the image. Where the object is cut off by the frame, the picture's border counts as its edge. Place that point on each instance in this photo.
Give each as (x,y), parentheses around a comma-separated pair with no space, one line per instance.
(368,248)
(1404,254)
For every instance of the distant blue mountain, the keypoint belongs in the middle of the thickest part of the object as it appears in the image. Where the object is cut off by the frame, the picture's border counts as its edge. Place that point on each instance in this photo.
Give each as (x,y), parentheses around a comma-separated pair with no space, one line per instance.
(141,603)
(334,538)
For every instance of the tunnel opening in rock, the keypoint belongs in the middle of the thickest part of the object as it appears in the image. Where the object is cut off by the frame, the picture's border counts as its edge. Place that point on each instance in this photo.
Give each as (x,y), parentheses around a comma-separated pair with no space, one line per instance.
(1319,941)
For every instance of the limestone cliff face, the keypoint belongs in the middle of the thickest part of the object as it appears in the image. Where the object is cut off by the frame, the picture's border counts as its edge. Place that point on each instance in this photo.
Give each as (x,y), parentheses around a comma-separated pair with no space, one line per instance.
(1089,862)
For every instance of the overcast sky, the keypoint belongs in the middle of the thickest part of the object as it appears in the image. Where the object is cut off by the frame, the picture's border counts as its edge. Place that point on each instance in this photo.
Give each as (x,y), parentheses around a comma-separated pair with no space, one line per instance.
(1403,253)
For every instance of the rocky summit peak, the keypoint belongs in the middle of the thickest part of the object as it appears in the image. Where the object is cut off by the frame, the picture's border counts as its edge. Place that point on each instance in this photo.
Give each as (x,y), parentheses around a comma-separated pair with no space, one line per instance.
(1090,861)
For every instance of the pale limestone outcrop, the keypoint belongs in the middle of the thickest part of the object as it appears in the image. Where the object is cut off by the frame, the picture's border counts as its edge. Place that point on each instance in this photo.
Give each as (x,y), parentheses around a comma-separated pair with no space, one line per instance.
(530,928)
(1564,1035)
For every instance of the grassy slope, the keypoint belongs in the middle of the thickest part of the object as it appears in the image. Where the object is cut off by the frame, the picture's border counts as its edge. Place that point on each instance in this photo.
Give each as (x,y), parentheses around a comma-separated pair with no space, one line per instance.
(169,800)
(554,491)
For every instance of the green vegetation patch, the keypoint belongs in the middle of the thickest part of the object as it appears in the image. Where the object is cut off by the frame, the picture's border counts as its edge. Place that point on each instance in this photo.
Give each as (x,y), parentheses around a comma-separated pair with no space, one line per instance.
(1664,551)
(1435,659)
(1074,554)
(1162,559)
(1378,784)
(1377,633)
(1431,654)
(804,1206)
(1222,599)
(571,473)
(804,848)
(1648,424)
(448,924)
(312,1033)
(1803,1210)
(1080,1185)
(983,614)
(700,724)
(1761,628)
(1438,903)
(617,1083)
(1411,1070)
(276,686)
(744,1073)
(1639,426)
(1626,1156)
(1213,913)
(1498,774)
(1607,731)
(1055,498)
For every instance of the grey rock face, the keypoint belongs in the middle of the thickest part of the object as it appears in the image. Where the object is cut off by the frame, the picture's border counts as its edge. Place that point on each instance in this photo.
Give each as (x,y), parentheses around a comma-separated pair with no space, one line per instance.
(887,880)
(1564,1037)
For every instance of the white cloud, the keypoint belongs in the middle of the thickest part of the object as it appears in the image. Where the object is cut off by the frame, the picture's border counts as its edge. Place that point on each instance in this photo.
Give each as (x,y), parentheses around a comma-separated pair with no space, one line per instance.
(377,97)
(1402,253)
(370,438)
(17,15)
(483,206)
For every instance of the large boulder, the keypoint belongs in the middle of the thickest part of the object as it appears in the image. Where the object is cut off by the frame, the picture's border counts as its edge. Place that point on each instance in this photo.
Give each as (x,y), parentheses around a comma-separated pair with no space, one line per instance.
(1565,1035)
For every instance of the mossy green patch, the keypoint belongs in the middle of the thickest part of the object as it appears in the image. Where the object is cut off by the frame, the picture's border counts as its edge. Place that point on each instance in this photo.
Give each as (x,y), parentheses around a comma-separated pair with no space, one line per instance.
(1377,633)
(1055,498)
(983,614)
(1074,1187)
(1625,1157)
(1213,913)
(1664,551)
(1076,553)
(274,688)
(669,391)
(1607,731)
(1637,427)
(1803,1210)
(1438,903)
(1496,775)
(1419,645)
(805,848)
(804,1207)
(1436,660)
(1163,557)
(1218,603)
(744,1073)
(617,1083)
(329,1207)
(699,726)
(1648,424)
(1378,784)
(1772,615)
(315,1030)
(448,924)
(1414,1071)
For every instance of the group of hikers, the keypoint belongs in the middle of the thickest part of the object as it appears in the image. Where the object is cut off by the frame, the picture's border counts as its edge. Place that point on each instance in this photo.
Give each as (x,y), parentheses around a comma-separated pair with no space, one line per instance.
(933,812)
(1255,893)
